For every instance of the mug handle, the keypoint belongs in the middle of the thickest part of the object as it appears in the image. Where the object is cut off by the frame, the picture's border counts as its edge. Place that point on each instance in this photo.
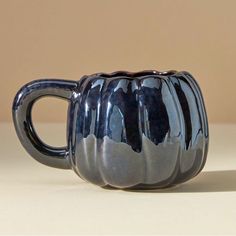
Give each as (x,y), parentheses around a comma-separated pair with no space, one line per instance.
(21,110)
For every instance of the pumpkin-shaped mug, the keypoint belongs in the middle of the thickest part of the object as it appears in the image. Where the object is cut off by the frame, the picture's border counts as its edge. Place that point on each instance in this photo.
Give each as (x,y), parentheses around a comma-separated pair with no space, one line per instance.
(141,130)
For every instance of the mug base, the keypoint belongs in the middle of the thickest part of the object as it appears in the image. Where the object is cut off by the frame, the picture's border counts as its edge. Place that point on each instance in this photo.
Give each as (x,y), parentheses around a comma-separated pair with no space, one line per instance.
(142,188)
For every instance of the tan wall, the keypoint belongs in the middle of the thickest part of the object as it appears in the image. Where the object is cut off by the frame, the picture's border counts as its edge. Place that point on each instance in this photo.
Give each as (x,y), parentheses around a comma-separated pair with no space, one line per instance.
(66,39)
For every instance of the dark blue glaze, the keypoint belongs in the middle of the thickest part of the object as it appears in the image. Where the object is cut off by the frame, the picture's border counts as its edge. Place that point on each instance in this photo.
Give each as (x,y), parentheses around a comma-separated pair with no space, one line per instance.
(125,130)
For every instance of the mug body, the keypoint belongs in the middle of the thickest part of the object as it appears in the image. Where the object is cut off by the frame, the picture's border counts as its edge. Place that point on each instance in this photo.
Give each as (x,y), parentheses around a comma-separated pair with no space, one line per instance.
(140,130)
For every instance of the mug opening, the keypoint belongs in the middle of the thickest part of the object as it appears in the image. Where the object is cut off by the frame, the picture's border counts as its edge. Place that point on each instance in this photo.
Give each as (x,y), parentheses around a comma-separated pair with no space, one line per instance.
(137,74)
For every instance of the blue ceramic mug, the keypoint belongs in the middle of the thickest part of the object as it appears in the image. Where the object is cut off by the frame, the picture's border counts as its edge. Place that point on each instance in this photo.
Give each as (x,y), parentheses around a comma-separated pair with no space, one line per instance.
(141,130)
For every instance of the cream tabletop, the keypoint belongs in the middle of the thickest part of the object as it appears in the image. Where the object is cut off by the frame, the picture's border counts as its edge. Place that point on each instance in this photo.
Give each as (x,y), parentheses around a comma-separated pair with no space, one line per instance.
(36,199)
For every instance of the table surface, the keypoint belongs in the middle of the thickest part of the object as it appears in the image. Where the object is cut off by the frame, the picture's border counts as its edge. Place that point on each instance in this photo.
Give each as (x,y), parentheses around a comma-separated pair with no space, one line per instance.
(36,199)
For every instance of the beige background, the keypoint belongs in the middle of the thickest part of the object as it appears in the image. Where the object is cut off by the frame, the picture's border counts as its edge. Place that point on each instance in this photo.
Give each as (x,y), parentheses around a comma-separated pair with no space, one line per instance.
(67,39)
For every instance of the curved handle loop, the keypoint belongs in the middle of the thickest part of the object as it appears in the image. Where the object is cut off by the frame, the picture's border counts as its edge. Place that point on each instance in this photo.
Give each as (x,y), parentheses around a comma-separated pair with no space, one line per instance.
(22,107)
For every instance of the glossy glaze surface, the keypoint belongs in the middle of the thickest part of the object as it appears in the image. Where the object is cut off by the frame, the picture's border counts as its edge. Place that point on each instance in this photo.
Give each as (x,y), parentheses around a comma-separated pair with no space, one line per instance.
(21,111)
(134,130)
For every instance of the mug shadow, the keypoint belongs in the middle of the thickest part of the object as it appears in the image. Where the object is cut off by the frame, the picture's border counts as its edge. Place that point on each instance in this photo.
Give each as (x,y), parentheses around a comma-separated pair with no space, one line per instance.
(209,181)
